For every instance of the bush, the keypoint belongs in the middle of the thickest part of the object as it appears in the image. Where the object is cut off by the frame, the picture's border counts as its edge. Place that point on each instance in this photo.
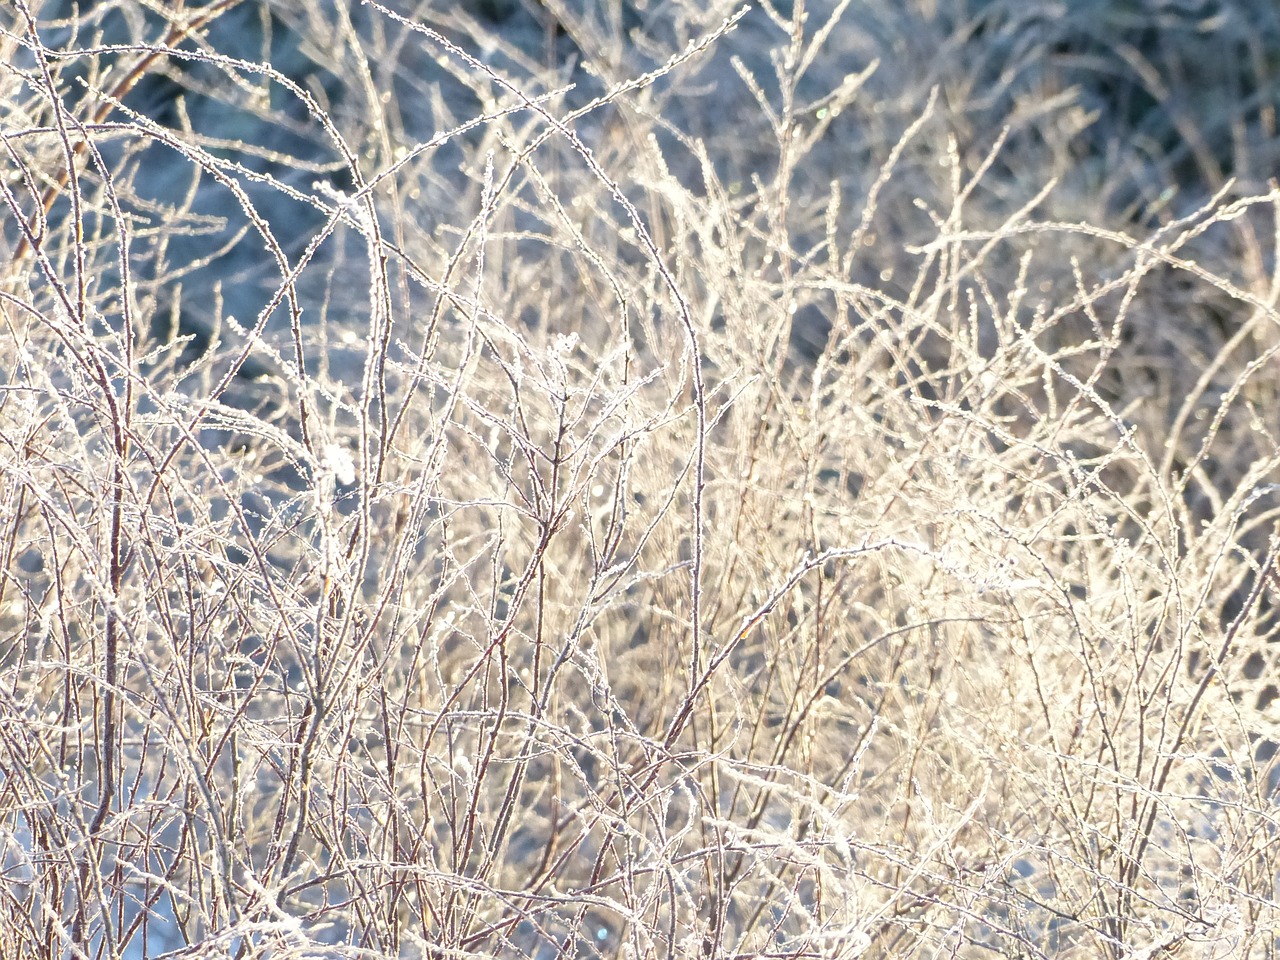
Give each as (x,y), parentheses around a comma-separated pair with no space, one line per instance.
(632,480)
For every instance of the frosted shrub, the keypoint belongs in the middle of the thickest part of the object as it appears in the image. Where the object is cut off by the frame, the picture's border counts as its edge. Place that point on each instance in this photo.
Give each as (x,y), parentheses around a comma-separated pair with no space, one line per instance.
(634,480)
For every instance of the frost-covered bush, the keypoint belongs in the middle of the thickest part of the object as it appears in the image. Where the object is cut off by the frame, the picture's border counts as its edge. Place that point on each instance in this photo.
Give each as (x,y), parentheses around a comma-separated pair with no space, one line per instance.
(633,479)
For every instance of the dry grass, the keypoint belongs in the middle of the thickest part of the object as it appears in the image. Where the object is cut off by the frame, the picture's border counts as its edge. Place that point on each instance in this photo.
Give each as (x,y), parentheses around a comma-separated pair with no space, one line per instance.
(754,503)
